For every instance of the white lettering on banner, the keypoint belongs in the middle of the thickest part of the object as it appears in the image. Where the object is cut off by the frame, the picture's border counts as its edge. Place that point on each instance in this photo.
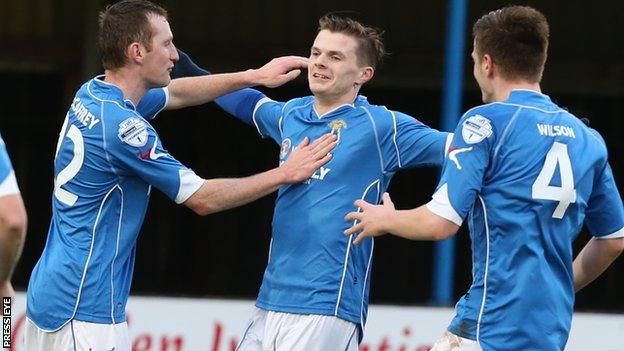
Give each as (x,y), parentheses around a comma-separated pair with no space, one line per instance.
(218,325)
(553,131)
(82,114)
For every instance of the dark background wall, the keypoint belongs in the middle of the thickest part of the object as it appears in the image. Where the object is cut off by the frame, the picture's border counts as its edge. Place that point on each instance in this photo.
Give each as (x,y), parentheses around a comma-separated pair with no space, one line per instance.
(48,49)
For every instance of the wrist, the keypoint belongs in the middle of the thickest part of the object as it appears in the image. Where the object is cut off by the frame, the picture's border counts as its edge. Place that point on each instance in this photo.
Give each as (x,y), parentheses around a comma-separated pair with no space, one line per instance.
(251,77)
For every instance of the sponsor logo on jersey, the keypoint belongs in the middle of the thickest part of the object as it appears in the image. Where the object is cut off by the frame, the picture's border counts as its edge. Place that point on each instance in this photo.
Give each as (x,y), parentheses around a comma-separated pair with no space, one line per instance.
(285,149)
(476,128)
(454,151)
(133,131)
(151,152)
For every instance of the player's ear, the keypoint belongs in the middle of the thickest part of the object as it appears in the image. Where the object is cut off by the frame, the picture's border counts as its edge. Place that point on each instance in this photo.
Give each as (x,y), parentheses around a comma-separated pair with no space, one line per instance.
(366,74)
(487,63)
(135,52)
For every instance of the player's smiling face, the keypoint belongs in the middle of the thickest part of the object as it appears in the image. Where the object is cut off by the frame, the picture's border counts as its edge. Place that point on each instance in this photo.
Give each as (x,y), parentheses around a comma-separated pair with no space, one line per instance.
(334,68)
(159,61)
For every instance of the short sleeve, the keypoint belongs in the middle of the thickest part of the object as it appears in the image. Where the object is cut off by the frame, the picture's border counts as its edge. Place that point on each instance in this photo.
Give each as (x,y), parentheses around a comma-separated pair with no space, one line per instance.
(267,118)
(464,168)
(137,150)
(413,143)
(153,102)
(605,215)
(8,183)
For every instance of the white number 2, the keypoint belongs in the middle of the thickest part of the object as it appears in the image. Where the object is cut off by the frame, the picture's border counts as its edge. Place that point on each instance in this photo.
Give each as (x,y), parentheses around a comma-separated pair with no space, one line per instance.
(72,168)
(565,194)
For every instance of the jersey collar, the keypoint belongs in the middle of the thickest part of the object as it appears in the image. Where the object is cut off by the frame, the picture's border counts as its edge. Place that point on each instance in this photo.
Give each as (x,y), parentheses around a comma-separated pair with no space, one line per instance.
(529,97)
(110,91)
(344,107)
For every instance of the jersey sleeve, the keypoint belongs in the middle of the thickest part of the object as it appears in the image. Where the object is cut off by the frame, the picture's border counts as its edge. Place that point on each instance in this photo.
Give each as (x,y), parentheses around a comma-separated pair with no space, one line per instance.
(464,168)
(153,102)
(604,214)
(413,143)
(137,150)
(267,118)
(8,183)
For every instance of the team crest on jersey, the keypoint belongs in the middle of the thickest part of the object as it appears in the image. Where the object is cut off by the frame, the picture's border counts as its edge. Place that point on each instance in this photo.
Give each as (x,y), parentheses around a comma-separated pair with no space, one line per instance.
(336,125)
(133,131)
(286,144)
(476,128)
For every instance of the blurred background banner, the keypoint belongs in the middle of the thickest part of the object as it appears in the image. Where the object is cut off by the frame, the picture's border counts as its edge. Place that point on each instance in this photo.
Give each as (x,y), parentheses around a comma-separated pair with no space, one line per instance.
(49,49)
(182,324)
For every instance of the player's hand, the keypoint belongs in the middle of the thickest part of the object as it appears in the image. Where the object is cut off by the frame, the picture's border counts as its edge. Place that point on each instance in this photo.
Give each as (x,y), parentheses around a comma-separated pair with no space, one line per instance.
(6,290)
(369,219)
(307,158)
(280,71)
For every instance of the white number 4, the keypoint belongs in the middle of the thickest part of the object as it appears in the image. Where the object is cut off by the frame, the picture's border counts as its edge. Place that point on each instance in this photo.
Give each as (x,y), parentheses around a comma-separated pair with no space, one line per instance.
(564,194)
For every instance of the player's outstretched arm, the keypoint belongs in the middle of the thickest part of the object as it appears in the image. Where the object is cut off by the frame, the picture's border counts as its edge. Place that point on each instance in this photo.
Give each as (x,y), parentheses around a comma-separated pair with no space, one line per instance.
(239,103)
(220,194)
(595,257)
(416,224)
(12,235)
(191,91)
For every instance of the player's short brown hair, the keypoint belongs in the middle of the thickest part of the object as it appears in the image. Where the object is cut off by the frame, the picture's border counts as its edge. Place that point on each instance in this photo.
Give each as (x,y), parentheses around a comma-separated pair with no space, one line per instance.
(516,37)
(122,24)
(371,49)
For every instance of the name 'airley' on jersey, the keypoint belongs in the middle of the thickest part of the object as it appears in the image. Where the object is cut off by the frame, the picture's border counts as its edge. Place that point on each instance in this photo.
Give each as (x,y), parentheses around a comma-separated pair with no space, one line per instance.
(108,156)
(527,174)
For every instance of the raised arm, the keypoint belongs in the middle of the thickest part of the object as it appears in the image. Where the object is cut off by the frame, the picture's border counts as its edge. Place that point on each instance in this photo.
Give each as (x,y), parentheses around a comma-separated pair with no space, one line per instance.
(192,91)
(239,103)
(220,194)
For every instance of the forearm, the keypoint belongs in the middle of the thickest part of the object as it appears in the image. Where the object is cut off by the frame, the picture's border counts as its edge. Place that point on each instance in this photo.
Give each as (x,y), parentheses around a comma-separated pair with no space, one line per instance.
(217,195)
(594,259)
(419,224)
(12,234)
(191,91)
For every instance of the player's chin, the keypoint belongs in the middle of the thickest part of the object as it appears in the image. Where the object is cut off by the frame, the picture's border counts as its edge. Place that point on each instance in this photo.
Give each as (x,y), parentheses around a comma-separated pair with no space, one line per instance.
(317,88)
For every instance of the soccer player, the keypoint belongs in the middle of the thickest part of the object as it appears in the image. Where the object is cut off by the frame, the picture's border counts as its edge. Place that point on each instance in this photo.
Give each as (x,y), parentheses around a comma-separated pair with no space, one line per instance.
(527,173)
(107,159)
(12,223)
(314,294)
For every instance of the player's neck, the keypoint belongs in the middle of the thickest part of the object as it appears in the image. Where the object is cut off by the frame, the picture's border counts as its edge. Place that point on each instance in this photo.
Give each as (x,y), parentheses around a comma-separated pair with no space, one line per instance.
(324,104)
(504,87)
(130,83)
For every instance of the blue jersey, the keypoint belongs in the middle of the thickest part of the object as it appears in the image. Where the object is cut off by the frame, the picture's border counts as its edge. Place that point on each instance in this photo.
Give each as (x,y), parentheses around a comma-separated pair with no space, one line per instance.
(8,185)
(108,156)
(313,268)
(527,174)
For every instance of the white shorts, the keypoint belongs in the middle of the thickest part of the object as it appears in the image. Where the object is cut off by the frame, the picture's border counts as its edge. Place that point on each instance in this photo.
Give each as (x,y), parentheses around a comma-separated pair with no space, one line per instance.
(451,342)
(78,336)
(277,331)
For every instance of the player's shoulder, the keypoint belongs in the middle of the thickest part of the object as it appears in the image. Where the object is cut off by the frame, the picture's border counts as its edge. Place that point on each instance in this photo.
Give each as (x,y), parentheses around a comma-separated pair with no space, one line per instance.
(493,111)
(297,103)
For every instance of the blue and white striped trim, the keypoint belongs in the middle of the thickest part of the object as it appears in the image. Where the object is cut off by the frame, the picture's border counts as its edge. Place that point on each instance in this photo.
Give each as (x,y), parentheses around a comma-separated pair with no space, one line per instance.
(440,205)
(349,240)
(614,235)
(485,274)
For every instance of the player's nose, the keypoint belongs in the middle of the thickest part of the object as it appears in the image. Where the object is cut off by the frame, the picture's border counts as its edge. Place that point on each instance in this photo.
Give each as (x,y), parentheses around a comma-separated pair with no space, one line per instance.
(174,56)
